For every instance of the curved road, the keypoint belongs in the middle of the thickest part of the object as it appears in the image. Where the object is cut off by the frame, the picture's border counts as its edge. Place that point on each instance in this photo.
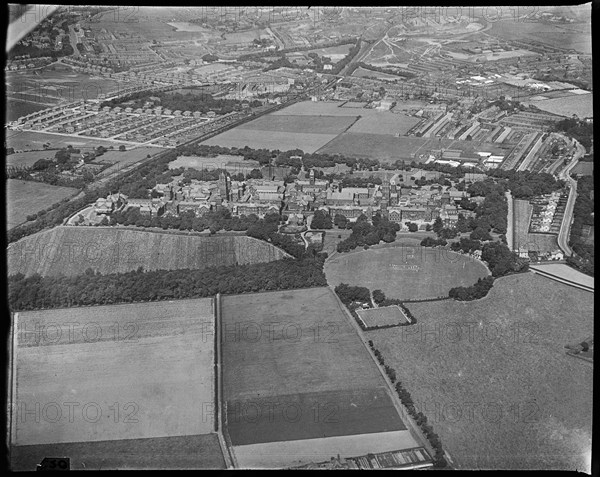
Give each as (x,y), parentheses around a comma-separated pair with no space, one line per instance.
(565,228)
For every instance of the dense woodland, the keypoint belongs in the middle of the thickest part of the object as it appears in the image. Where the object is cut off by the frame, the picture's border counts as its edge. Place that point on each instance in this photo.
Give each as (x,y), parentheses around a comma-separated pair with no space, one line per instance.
(366,234)
(91,288)
(580,130)
(583,215)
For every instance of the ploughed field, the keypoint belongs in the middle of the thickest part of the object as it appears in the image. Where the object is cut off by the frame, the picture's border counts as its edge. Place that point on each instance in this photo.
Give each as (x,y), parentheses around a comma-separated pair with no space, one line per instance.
(295,370)
(72,250)
(85,378)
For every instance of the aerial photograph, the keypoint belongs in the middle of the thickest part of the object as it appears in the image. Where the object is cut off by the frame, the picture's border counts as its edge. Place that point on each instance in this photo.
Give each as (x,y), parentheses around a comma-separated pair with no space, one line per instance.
(299,237)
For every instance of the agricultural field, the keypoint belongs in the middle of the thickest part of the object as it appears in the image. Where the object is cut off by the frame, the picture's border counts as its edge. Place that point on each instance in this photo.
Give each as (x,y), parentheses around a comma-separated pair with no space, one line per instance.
(120,372)
(500,388)
(405,271)
(579,104)
(31,140)
(384,122)
(301,124)
(377,146)
(179,452)
(541,243)
(319,108)
(70,251)
(24,198)
(269,341)
(16,108)
(259,139)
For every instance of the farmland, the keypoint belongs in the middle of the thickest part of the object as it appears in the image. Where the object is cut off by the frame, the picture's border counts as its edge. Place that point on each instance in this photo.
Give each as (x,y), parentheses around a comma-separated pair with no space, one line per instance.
(384,122)
(179,452)
(522,238)
(72,250)
(499,388)
(301,124)
(146,369)
(28,159)
(376,146)
(259,139)
(269,341)
(405,271)
(25,198)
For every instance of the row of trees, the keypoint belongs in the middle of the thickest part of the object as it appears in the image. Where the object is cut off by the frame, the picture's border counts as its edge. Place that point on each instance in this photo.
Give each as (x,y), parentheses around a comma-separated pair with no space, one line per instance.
(474,292)
(91,288)
(420,419)
(583,215)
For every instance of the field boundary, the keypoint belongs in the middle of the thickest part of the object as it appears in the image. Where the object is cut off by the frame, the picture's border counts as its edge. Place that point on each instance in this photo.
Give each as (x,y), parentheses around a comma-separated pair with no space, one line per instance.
(562,280)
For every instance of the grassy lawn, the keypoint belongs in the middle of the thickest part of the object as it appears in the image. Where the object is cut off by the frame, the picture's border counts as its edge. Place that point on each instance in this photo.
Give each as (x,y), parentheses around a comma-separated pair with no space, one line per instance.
(301,124)
(24,198)
(405,270)
(493,377)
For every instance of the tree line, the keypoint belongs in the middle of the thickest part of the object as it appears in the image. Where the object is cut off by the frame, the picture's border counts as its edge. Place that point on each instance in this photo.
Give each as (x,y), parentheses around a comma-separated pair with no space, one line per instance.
(92,288)
(583,215)
(366,234)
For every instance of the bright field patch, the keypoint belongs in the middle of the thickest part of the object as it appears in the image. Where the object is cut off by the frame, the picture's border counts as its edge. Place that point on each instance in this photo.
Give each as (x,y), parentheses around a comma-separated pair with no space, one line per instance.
(72,250)
(296,368)
(386,315)
(522,238)
(131,371)
(405,272)
(384,122)
(257,139)
(301,124)
(24,198)
(493,378)
(376,146)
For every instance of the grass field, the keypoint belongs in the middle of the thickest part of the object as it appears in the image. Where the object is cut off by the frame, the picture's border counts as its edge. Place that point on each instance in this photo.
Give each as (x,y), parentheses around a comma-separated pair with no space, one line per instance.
(26,159)
(181,452)
(562,270)
(580,104)
(377,146)
(301,124)
(72,250)
(387,315)
(319,108)
(28,140)
(405,271)
(24,198)
(493,378)
(384,122)
(123,158)
(133,371)
(522,238)
(201,163)
(270,340)
(257,139)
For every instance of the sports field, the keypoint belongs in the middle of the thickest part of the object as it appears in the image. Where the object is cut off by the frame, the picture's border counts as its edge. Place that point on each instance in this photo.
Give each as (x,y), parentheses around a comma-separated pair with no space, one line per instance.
(114,372)
(72,250)
(269,342)
(24,198)
(382,316)
(384,122)
(493,378)
(405,271)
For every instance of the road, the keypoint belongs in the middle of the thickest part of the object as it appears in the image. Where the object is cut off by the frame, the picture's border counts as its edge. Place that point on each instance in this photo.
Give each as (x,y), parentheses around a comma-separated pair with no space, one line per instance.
(565,228)
(510,221)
